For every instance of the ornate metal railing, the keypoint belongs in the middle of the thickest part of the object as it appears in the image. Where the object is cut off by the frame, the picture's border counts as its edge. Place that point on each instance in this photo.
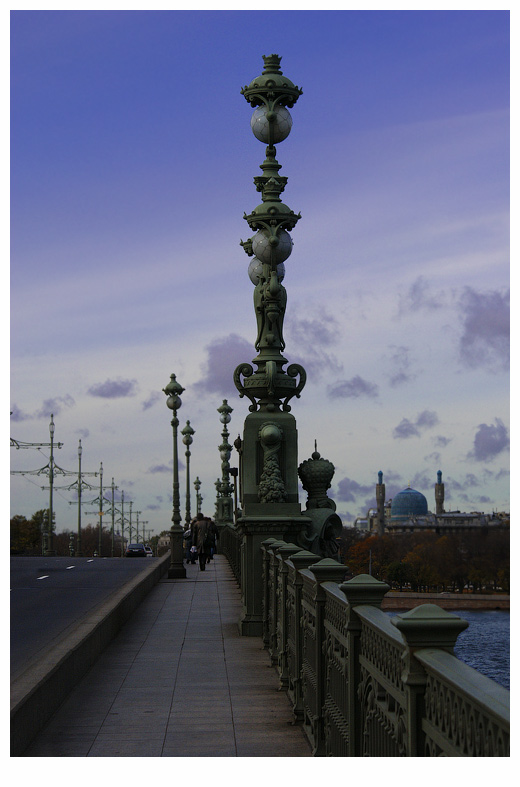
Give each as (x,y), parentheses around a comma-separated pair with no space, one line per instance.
(229,544)
(367,685)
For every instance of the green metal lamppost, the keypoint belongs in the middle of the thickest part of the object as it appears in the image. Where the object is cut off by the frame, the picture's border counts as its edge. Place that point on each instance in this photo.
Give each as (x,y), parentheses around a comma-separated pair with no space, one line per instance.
(177,570)
(187,439)
(224,485)
(198,496)
(269,448)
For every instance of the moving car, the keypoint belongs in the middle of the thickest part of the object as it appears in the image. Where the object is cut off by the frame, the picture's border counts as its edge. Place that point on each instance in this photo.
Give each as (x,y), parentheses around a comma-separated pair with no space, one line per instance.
(149,551)
(135,550)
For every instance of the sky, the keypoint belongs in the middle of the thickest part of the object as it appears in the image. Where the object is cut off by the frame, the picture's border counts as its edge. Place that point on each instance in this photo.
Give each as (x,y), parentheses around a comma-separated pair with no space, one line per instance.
(132,164)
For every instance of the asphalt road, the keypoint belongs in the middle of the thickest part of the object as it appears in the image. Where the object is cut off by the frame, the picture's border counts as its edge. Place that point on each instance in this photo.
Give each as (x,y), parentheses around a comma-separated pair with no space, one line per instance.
(49,595)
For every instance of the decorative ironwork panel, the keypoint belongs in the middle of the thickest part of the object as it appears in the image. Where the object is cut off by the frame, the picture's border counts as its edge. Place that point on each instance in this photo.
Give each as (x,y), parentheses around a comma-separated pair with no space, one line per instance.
(336,709)
(455,726)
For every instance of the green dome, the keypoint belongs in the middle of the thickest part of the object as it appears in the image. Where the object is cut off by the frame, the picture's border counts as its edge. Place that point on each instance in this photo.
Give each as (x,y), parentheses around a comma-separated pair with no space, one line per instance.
(408,503)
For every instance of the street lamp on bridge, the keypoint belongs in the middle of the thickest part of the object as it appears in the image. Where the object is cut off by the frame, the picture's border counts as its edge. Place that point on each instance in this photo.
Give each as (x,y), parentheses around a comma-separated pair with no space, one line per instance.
(177,570)
(187,439)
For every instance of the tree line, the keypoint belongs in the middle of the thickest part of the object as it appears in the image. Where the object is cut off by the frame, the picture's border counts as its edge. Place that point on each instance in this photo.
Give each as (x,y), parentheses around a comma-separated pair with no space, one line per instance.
(476,560)
(26,537)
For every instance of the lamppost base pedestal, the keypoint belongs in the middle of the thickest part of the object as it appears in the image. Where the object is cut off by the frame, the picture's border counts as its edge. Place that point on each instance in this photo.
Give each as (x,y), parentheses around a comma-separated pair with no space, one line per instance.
(177,572)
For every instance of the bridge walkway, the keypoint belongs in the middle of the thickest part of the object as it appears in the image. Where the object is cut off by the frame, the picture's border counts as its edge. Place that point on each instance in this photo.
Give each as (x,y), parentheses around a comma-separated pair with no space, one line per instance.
(178,681)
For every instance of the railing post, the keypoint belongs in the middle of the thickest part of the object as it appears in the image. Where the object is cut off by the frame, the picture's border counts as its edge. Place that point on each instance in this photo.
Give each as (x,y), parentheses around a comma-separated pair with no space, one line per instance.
(426,626)
(366,590)
(282,553)
(272,588)
(299,560)
(266,563)
(326,570)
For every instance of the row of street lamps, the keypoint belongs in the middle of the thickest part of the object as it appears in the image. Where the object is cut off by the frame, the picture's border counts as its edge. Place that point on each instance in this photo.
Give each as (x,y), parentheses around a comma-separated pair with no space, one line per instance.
(173,393)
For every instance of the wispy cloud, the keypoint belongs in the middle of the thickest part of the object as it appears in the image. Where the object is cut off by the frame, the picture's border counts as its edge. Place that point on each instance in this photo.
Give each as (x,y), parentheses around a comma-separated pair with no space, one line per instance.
(114,389)
(406,428)
(485,338)
(55,406)
(401,362)
(352,389)
(154,397)
(419,297)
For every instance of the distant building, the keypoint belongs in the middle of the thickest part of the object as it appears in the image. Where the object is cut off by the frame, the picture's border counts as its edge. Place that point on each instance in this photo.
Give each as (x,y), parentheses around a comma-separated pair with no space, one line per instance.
(408,512)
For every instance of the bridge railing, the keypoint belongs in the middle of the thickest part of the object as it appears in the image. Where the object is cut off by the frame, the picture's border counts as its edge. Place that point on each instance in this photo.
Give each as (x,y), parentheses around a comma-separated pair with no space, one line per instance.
(365,684)
(229,544)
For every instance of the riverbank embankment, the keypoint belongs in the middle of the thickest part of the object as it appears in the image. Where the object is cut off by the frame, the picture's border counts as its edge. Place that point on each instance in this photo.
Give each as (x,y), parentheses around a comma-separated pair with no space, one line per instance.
(449,601)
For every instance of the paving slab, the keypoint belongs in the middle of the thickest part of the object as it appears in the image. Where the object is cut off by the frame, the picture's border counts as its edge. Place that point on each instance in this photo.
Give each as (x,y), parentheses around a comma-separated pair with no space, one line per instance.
(178,672)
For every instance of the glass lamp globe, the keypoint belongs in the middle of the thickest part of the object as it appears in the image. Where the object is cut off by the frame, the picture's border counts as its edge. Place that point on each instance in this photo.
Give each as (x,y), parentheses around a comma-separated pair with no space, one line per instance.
(255,270)
(263,248)
(173,402)
(281,123)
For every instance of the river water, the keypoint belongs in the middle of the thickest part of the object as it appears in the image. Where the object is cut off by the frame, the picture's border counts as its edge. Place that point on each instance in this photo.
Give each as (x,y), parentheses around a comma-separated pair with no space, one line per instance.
(484,645)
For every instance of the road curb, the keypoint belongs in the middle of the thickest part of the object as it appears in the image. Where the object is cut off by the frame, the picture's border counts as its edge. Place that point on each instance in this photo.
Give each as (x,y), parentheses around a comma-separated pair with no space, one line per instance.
(38,692)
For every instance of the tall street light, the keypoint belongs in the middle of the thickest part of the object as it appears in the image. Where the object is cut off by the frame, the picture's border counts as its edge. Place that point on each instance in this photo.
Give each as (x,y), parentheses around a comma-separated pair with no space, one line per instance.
(224,486)
(177,569)
(187,439)
(198,496)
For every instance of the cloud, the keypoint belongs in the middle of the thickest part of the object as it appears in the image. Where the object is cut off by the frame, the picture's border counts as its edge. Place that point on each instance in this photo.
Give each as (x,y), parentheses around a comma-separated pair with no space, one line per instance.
(55,406)
(468,482)
(442,442)
(400,358)
(348,490)
(485,338)
(159,469)
(162,468)
(490,440)
(352,389)
(323,331)
(17,415)
(223,356)
(425,420)
(418,298)
(154,397)
(113,389)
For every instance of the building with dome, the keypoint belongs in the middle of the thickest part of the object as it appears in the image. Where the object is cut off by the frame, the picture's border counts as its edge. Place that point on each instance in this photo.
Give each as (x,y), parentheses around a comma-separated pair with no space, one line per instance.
(408,503)
(408,512)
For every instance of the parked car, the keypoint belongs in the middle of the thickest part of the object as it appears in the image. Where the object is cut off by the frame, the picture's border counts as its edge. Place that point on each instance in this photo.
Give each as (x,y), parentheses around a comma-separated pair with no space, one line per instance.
(135,550)
(149,551)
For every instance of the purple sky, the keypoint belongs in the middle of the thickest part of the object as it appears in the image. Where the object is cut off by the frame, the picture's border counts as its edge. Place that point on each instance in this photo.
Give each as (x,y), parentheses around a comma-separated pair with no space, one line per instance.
(132,164)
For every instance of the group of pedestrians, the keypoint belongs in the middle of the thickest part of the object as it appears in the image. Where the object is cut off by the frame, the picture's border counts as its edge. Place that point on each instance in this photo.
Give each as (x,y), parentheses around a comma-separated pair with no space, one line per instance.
(200,540)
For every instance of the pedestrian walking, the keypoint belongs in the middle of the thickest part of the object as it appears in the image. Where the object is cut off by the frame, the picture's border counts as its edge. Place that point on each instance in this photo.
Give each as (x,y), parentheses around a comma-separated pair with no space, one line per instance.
(212,538)
(190,555)
(202,538)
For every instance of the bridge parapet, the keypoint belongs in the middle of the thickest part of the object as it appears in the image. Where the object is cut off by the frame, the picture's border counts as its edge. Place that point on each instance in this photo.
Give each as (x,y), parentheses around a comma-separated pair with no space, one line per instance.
(364,684)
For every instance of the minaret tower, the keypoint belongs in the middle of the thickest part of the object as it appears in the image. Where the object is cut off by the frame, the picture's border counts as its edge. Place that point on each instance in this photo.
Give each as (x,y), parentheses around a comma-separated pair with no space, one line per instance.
(439,495)
(380,497)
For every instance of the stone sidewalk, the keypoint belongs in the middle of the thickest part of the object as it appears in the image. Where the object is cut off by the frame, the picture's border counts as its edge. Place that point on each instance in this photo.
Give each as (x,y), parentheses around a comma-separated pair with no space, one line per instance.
(178,681)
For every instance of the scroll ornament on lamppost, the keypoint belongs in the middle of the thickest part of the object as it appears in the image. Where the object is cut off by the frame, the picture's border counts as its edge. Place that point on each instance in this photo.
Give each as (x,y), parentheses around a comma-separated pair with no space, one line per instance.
(271,94)
(176,570)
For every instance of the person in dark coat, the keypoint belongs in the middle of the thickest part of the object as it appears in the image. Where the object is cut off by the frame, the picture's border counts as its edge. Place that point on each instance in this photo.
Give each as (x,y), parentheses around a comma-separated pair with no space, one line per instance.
(201,534)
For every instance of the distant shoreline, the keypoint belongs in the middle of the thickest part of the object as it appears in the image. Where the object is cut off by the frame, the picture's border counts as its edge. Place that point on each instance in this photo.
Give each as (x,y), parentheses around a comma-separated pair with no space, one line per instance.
(450,601)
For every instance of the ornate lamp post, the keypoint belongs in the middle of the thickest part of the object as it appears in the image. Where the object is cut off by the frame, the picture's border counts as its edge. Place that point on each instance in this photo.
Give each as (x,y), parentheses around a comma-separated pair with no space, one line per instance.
(198,496)
(173,402)
(224,486)
(269,449)
(187,439)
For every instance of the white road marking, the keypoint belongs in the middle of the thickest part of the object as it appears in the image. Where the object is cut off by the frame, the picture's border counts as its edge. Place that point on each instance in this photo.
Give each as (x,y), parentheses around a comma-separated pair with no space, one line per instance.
(46,576)
(70,567)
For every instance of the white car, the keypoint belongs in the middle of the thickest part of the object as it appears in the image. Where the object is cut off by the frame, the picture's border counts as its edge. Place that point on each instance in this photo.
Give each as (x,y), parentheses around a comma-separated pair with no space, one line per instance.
(149,551)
